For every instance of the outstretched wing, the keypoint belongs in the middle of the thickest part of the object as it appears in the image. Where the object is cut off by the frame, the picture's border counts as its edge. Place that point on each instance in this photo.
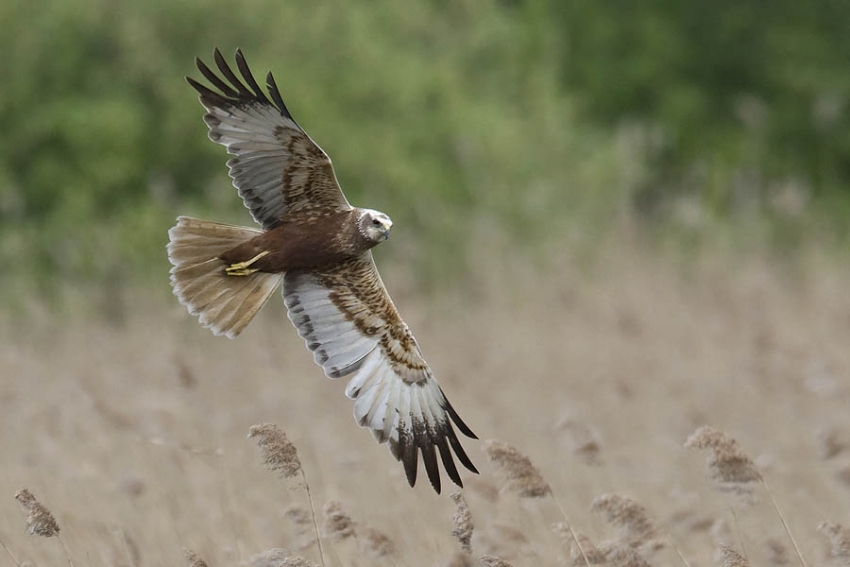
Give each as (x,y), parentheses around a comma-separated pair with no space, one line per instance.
(277,169)
(348,320)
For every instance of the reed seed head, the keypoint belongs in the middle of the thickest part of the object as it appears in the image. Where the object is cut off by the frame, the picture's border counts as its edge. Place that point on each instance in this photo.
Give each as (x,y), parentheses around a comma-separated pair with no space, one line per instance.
(303,532)
(522,476)
(193,560)
(620,555)
(296,562)
(732,558)
(491,561)
(279,454)
(337,524)
(579,547)
(277,557)
(375,542)
(39,519)
(462,520)
(273,557)
(637,529)
(728,465)
(839,540)
(584,443)
(298,515)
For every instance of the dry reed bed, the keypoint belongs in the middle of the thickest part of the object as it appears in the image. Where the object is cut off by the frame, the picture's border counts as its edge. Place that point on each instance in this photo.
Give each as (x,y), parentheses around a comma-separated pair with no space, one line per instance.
(135,436)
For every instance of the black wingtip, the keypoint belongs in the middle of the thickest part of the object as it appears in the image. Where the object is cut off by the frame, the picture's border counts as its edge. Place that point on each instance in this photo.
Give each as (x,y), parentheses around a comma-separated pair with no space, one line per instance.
(411,461)
(419,437)
(458,449)
(429,459)
(232,89)
(462,427)
(245,71)
(274,92)
(217,56)
(227,91)
(448,461)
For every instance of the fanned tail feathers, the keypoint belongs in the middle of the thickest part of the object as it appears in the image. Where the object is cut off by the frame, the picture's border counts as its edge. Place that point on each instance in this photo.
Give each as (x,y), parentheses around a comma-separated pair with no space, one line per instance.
(225,304)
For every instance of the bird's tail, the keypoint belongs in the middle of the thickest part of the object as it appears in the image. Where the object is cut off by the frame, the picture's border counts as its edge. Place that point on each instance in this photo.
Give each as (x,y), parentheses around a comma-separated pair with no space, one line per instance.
(223,303)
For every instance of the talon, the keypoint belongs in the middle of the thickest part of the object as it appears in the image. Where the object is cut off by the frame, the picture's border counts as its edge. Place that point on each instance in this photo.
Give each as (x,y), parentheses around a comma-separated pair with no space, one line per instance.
(244,268)
(240,271)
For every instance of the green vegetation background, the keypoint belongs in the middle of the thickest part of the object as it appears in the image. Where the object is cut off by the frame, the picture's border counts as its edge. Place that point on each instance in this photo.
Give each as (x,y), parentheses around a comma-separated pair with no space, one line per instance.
(543,122)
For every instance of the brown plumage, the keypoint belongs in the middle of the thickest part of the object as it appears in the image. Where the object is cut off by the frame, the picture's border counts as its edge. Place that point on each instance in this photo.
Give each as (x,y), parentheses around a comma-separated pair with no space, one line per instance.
(304,242)
(318,246)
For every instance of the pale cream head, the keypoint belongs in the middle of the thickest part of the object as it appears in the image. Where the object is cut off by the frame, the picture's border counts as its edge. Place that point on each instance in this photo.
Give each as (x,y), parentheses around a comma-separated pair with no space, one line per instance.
(375,225)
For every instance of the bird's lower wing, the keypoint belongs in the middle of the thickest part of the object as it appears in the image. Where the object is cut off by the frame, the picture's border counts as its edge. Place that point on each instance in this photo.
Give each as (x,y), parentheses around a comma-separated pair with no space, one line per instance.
(348,320)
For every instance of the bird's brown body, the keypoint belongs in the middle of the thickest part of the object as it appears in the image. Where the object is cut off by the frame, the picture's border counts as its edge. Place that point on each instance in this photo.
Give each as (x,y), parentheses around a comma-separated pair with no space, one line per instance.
(304,242)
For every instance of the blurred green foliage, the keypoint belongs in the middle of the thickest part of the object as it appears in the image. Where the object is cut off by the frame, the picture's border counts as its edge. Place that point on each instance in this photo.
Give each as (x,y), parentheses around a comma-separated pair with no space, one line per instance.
(536,121)
(738,87)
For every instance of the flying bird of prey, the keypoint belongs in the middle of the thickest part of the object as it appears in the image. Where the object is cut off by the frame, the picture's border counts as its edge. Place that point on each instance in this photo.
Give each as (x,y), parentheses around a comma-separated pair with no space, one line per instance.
(318,246)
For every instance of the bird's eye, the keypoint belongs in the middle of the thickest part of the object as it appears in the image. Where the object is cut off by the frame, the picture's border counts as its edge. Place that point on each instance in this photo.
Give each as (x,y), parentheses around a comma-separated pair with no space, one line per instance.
(376,222)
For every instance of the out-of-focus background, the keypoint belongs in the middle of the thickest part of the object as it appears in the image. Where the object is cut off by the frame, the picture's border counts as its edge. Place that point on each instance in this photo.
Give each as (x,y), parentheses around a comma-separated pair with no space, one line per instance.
(628,216)
(540,123)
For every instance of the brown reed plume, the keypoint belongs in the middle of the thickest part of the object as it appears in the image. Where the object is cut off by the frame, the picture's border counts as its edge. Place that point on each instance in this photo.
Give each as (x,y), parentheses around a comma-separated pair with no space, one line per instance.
(581,548)
(298,515)
(521,476)
(374,542)
(732,558)
(733,469)
(727,464)
(295,562)
(620,555)
(462,520)
(302,526)
(585,444)
(39,520)
(839,541)
(269,558)
(281,456)
(337,524)
(276,557)
(193,559)
(491,561)
(637,529)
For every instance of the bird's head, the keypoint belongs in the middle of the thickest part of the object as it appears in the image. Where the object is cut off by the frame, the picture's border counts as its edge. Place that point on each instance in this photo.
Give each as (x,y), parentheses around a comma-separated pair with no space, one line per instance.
(374,225)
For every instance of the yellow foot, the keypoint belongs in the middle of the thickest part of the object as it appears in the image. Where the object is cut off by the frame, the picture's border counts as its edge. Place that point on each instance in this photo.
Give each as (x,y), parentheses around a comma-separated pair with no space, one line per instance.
(244,268)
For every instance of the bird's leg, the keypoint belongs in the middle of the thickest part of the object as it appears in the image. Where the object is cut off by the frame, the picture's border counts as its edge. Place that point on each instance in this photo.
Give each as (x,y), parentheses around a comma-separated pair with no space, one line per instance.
(244,268)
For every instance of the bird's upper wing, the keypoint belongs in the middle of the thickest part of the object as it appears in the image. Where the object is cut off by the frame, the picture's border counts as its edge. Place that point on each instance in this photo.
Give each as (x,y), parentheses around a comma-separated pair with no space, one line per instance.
(348,320)
(277,168)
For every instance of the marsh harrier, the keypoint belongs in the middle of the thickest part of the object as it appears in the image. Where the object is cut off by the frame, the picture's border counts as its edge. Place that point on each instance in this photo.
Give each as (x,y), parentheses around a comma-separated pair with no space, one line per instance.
(318,246)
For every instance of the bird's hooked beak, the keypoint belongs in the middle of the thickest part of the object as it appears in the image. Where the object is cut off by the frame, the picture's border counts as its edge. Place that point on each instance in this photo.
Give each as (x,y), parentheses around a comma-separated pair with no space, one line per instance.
(388,227)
